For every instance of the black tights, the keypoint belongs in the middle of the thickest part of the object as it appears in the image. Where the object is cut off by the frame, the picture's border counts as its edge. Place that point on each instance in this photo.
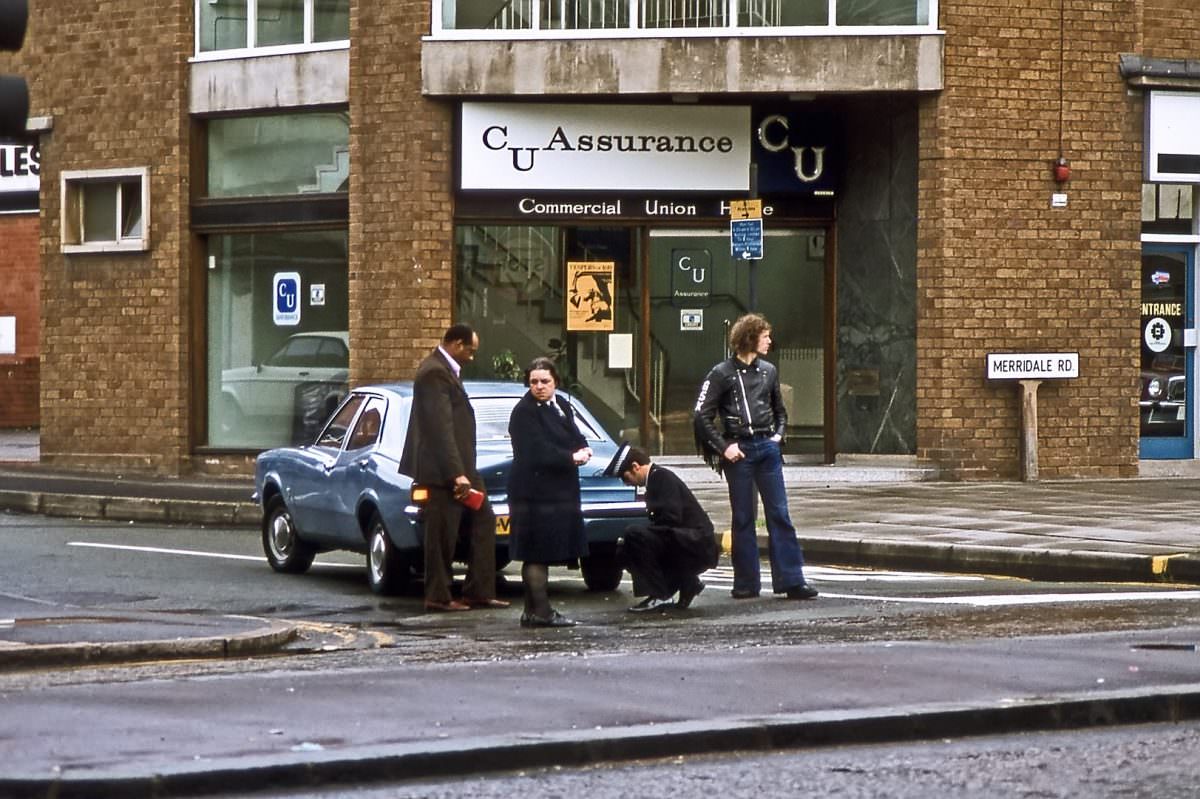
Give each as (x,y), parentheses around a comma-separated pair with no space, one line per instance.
(536,577)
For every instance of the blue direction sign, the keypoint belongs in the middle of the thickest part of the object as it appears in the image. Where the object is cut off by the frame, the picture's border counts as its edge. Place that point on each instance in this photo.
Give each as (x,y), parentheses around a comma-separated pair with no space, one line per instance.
(746,239)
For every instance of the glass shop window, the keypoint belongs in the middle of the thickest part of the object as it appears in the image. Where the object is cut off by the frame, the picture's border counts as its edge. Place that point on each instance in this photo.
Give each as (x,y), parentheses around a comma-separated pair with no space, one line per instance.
(278,340)
(279,154)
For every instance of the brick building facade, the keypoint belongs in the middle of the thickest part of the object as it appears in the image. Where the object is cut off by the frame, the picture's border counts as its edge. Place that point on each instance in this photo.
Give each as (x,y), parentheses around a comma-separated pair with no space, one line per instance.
(943,242)
(19,303)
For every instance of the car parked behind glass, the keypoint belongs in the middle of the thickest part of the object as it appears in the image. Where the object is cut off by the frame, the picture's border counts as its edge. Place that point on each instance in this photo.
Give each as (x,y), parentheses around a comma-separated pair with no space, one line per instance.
(287,397)
(345,490)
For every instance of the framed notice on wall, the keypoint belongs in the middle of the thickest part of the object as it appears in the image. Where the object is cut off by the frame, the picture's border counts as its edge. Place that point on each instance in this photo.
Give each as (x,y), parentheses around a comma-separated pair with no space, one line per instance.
(590,292)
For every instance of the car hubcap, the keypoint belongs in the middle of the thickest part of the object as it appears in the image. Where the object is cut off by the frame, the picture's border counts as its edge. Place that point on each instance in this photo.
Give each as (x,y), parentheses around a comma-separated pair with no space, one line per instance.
(282,537)
(378,556)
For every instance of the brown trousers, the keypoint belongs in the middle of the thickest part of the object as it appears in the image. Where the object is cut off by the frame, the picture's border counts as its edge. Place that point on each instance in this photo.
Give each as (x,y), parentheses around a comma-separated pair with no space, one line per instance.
(443,517)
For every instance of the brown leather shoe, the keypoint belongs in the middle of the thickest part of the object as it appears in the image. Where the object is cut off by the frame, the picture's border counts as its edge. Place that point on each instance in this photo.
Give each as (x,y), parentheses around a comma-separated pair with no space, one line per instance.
(487,603)
(453,604)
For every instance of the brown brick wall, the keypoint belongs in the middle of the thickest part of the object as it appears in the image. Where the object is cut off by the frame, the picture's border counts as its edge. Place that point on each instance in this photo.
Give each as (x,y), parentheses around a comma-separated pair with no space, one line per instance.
(20,289)
(18,391)
(1171,29)
(401,230)
(999,269)
(115,348)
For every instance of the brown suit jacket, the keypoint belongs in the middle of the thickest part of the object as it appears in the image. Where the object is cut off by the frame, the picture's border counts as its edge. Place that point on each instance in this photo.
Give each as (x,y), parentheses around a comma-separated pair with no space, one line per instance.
(440,443)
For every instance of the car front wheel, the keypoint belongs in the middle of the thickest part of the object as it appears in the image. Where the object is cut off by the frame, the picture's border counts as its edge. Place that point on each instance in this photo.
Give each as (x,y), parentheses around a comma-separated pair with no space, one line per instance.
(282,545)
(388,571)
(601,572)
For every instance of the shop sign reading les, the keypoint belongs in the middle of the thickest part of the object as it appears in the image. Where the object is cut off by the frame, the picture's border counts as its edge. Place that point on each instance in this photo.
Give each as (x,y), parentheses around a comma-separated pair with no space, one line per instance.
(568,147)
(1032,365)
(20,176)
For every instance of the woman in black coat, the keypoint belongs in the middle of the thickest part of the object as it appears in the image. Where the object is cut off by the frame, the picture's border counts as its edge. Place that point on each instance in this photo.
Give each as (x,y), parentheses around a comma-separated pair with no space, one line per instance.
(543,490)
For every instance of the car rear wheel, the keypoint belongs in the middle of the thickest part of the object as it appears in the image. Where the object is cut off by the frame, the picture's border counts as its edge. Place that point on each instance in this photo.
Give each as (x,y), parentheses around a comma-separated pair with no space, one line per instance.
(281,543)
(601,572)
(388,571)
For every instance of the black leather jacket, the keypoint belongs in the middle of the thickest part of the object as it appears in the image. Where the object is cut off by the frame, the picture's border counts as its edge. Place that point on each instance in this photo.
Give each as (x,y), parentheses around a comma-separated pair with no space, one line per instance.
(747,399)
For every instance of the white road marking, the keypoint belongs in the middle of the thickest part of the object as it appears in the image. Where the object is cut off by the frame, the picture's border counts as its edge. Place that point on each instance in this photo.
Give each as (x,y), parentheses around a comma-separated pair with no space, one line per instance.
(824,574)
(723,574)
(1000,600)
(197,554)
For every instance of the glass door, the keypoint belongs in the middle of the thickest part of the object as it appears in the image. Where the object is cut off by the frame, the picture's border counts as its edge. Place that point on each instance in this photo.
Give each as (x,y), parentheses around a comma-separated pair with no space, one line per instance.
(1167,347)
(697,290)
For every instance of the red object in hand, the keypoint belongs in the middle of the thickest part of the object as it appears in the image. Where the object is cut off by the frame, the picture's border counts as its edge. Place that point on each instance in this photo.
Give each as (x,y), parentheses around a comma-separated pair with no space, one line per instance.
(473,499)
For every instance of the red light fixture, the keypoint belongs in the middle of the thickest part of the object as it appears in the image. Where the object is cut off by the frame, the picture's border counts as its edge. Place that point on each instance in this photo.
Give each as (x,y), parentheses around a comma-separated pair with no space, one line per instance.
(1062,170)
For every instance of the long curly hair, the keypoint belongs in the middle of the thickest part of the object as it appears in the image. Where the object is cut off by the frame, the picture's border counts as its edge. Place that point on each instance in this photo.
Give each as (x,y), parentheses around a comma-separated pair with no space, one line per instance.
(744,335)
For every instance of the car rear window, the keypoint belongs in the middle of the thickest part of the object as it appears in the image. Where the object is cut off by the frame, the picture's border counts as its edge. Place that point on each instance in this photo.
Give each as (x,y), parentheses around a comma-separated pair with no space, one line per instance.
(492,413)
(491,417)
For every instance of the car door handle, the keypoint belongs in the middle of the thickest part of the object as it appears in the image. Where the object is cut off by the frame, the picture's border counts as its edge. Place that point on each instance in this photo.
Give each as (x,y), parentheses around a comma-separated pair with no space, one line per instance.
(303,374)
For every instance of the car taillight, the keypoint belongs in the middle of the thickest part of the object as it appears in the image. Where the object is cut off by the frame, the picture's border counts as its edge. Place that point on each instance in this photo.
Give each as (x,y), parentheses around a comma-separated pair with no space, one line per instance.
(420,494)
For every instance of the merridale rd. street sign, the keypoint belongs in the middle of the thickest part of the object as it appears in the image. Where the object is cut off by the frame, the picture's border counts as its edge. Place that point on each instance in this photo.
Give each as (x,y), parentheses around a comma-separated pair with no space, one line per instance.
(1029,369)
(1032,365)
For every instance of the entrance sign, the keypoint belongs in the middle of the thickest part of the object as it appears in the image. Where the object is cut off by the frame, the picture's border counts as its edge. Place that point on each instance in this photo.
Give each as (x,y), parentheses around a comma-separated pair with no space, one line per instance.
(1172,147)
(746,239)
(524,146)
(285,305)
(590,292)
(1032,365)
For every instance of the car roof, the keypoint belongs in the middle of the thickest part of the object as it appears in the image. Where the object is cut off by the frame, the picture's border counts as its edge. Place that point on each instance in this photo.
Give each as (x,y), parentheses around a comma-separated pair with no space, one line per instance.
(474,388)
(343,335)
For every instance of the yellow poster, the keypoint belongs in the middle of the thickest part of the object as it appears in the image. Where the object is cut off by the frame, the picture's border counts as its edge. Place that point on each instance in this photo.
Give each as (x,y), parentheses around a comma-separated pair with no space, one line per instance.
(591,287)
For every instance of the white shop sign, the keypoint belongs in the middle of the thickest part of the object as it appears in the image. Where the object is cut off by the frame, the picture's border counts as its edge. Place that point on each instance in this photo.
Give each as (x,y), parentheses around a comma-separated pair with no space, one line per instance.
(8,335)
(543,146)
(20,167)
(1172,146)
(1032,365)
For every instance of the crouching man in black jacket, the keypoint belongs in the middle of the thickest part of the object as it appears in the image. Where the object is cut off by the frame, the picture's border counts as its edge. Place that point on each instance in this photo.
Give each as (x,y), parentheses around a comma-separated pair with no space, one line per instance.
(668,554)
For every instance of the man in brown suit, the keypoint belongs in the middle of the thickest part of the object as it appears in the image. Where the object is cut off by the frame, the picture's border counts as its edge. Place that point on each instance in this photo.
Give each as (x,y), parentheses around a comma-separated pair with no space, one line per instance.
(439,453)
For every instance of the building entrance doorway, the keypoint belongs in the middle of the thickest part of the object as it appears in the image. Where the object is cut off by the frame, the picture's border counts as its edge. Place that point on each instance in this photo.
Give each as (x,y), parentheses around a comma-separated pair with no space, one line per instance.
(1168,322)
(697,291)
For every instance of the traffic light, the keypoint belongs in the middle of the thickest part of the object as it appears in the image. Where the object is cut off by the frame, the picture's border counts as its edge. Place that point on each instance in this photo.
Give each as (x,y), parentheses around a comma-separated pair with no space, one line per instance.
(14,94)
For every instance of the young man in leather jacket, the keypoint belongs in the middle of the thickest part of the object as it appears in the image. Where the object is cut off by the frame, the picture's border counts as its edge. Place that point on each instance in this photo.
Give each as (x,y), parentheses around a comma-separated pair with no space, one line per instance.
(743,391)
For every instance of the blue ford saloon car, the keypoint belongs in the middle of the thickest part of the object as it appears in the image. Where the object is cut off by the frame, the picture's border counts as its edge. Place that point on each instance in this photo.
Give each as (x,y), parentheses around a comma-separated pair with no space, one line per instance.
(345,490)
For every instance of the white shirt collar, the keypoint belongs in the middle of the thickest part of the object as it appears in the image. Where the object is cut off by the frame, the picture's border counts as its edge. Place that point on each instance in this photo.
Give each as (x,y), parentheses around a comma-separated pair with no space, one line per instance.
(455,366)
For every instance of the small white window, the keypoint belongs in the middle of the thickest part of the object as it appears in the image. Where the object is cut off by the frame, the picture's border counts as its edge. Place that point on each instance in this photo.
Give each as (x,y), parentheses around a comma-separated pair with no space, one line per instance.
(106,210)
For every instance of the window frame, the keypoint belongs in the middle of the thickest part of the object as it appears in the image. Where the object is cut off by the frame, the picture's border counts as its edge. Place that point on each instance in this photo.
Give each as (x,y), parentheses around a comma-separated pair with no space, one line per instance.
(307,46)
(72,229)
(438,32)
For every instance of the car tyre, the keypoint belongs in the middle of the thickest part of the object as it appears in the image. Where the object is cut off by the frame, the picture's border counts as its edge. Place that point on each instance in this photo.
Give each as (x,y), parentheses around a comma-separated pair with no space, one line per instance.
(601,572)
(388,571)
(281,542)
